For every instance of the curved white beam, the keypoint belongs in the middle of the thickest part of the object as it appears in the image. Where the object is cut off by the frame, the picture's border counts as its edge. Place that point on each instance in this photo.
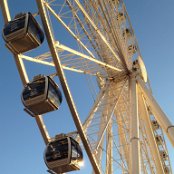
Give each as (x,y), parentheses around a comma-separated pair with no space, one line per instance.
(51,42)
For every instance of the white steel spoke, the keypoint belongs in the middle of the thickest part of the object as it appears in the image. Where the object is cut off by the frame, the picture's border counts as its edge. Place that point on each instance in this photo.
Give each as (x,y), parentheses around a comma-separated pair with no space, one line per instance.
(69,30)
(50,63)
(96,29)
(105,107)
(60,46)
(122,114)
(109,115)
(98,152)
(95,107)
(82,26)
(109,150)
(109,18)
(124,148)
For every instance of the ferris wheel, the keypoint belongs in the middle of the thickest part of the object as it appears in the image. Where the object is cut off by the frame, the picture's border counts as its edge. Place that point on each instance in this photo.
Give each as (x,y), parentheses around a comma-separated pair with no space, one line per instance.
(124,130)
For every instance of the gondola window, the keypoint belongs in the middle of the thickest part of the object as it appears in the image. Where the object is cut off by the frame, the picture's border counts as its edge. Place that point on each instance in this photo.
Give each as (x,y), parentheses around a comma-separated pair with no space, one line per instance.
(57,150)
(34,89)
(53,95)
(15,25)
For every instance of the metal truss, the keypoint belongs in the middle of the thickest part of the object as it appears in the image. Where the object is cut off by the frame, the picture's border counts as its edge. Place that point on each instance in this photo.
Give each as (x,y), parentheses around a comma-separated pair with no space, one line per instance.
(118,134)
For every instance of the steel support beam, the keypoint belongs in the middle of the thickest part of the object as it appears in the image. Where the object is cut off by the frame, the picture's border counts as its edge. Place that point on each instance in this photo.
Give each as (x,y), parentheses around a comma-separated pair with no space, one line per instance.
(23,73)
(160,116)
(109,16)
(134,160)
(122,139)
(90,117)
(109,117)
(92,59)
(58,66)
(98,100)
(5,11)
(143,113)
(31,59)
(99,152)
(109,150)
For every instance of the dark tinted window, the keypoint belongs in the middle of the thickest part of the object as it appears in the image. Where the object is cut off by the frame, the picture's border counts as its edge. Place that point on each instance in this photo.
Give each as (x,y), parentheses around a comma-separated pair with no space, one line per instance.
(54,95)
(76,150)
(34,28)
(34,89)
(14,25)
(57,150)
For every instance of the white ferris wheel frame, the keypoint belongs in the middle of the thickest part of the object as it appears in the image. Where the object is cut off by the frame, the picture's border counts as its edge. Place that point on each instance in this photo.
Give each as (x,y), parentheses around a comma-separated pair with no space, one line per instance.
(141,98)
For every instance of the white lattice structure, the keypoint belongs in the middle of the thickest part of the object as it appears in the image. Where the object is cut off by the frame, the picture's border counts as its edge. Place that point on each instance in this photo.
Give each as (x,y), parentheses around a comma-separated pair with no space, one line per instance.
(123,132)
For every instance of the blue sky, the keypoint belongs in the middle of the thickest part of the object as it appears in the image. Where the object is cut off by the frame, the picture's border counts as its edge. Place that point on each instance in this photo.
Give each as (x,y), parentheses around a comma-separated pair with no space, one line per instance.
(21,146)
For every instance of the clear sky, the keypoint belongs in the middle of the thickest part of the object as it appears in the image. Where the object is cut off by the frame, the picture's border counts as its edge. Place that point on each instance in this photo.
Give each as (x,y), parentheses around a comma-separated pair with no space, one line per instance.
(21,145)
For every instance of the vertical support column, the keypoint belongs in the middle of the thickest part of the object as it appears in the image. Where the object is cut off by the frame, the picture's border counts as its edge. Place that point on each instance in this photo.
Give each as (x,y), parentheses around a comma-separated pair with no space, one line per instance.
(60,72)
(160,116)
(150,136)
(109,150)
(134,154)
(23,73)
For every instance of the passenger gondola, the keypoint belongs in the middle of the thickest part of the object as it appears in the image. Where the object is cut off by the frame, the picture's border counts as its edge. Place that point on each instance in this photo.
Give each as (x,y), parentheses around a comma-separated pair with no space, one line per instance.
(159,139)
(23,33)
(63,154)
(163,155)
(132,49)
(127,33)
(121,17)
(41,95)
(155,124)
